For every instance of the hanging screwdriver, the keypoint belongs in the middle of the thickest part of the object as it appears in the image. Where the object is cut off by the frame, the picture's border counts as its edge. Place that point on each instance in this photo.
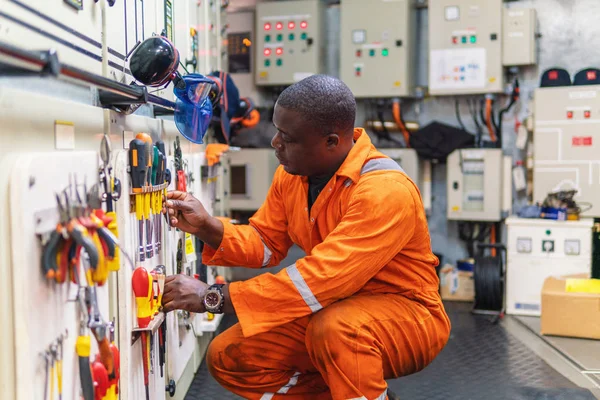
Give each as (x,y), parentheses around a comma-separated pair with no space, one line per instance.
(147,197)
(137,165)
(162,179)
(142,289)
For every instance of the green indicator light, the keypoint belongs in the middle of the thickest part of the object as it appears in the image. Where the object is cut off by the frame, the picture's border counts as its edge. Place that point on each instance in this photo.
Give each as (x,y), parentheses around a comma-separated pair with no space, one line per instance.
(473,39)
(279,37)
(279,62)
(464,39)
(372,53)
(267,63)
(548,232)
(291,36)
(304,36)
(267,38)
(384,52)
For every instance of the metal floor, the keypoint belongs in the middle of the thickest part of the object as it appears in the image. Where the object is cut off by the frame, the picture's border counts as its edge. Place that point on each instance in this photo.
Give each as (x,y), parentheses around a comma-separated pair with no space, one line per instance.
(481,361)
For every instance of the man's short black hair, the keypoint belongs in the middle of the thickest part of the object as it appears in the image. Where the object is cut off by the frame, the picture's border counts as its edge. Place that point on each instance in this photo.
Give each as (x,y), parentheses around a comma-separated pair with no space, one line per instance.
(326,101)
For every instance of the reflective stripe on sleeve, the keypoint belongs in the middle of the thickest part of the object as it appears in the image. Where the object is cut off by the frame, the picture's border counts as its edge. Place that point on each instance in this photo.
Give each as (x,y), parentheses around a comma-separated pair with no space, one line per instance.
(285,388)
(303,289)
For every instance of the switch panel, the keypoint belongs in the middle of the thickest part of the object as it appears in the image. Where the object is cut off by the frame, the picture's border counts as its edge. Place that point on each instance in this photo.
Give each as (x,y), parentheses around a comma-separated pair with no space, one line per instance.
(289,41)
(567,143)
(377,54)
(465,46)
(518,41)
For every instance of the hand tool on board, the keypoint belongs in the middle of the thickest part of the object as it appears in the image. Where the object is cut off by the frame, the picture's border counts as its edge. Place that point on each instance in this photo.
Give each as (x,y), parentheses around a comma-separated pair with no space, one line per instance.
(148,195)
(100,379)
(180,173)
(83,347)
(100,272)
(137,166)
(112,192)
(50,263)
(142,289)
(113,389)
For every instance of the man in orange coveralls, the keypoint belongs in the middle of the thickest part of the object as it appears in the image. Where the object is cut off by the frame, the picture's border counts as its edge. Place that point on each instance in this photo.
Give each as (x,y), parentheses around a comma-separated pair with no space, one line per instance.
(362,306)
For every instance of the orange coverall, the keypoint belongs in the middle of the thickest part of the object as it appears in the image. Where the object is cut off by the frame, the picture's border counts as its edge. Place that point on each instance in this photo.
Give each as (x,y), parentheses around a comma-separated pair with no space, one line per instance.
(361,307)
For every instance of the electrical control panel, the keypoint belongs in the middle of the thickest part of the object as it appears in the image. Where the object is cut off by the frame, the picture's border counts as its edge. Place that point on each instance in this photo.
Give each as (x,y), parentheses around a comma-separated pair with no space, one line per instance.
(251,175)
(538,249)
(518,36)
(566,144)
(465,47)
(377,54)
(240,56)
(479,185)
(289,41)
(408,159)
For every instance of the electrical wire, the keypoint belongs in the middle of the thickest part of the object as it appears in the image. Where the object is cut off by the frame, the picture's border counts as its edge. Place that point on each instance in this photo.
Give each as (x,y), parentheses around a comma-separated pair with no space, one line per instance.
(397,114)
(457,111)
(515,95)
(488,119)
(473,111)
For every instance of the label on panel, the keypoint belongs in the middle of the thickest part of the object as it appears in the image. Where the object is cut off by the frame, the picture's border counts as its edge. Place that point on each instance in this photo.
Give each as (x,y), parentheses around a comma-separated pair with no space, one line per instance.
(457,69)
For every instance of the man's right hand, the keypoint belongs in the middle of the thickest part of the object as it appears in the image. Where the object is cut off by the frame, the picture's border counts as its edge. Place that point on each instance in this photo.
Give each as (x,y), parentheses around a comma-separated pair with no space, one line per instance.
(187,213)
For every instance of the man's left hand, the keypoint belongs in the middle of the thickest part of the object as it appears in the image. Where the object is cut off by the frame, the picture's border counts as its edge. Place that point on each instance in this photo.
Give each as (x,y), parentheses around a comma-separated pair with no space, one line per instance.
(183,292)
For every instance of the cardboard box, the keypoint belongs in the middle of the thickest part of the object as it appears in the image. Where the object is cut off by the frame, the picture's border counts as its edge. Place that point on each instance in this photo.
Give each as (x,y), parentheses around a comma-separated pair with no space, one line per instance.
(456,285)
(568,313)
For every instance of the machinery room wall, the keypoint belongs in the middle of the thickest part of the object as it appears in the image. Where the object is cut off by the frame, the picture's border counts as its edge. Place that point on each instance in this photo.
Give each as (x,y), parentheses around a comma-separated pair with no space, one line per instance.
(567,36)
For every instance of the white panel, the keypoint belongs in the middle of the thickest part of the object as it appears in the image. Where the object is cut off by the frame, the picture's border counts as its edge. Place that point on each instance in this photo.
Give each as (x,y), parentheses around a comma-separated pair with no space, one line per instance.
(257,167)
(474,185)
(528,266)
(377,53)
(518,41)
(465,46)
(45,312)
(567,144)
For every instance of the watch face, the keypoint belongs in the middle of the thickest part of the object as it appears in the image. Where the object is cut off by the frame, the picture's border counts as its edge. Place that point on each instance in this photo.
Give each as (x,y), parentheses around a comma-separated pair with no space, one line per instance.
(212,299)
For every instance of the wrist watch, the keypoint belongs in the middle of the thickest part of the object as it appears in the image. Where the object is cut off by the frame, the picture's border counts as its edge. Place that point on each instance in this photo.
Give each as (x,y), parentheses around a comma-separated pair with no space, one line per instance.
(214,299)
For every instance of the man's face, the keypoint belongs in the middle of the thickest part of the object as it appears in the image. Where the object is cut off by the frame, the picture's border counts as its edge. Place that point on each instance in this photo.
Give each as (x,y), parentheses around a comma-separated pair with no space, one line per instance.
(300,149)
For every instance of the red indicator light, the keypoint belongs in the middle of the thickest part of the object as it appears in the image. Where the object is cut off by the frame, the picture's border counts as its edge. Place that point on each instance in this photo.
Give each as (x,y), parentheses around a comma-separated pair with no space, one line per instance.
(358,53)
(279,26)
(267,26)
(553,75)
(303,24)
(454,40)
(569,114)
(587,113)
(591,75)
(279,51)
(291,25)
(267,52)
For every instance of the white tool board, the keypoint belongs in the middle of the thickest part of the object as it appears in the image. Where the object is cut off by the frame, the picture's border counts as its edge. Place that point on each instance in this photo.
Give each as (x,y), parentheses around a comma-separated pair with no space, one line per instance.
(42,309)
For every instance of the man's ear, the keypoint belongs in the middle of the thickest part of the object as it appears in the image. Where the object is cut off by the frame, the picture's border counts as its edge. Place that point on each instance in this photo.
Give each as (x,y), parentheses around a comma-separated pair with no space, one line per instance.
(333,140)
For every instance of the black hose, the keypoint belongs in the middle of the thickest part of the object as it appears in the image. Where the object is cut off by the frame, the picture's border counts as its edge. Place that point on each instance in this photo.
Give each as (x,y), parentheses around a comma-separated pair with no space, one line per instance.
(457,111)
(473,112)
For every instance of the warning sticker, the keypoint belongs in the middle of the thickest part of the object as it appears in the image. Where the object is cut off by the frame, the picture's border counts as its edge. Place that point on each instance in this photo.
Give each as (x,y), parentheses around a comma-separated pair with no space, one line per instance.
(581,141)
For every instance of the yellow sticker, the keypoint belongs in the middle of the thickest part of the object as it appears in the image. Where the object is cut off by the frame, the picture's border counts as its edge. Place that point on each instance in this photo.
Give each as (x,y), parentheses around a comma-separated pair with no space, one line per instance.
(189,244)
(263,74)
(397,84)
(492,79)
(455,208)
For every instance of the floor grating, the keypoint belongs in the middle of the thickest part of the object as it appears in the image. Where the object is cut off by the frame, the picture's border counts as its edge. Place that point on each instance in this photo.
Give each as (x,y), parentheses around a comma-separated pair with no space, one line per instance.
(481,361)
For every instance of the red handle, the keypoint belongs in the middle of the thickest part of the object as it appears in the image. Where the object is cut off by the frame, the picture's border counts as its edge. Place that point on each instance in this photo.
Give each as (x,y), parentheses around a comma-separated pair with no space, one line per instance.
(100,377)
(181,184)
